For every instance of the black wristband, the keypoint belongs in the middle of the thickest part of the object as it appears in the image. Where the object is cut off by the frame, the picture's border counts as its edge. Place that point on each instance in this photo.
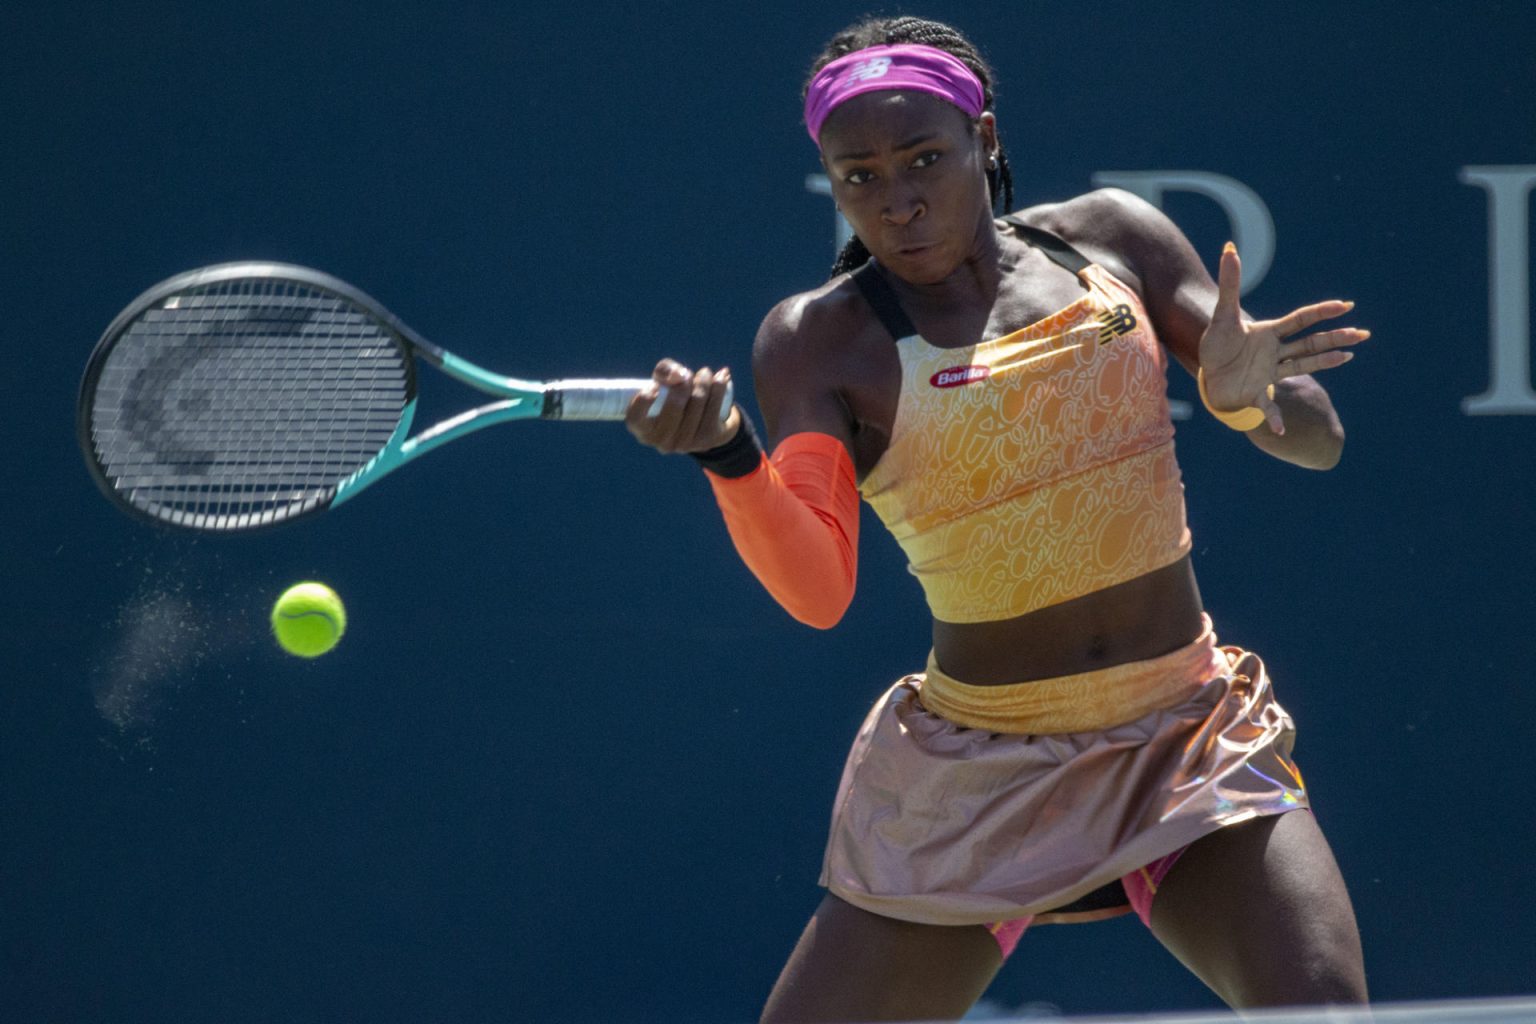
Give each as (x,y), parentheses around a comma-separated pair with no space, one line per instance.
(737,457)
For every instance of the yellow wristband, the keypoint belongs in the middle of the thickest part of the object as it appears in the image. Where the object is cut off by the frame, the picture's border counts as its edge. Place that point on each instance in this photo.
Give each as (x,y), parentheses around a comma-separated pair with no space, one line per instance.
(1238,419)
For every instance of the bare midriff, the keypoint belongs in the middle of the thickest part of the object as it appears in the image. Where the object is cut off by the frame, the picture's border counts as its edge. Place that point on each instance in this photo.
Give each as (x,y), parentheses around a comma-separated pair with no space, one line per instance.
(1139,619)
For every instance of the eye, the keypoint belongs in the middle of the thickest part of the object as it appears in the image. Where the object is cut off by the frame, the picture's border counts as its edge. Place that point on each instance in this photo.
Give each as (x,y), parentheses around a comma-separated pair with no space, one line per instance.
(858,177)
(927,159)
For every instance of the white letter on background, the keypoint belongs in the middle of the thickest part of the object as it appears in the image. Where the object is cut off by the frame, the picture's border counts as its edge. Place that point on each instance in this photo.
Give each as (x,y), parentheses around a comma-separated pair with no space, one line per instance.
(1509,291)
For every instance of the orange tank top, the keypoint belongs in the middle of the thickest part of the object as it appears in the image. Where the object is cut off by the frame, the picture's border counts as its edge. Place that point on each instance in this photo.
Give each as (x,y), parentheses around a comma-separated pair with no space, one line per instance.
(1033,468)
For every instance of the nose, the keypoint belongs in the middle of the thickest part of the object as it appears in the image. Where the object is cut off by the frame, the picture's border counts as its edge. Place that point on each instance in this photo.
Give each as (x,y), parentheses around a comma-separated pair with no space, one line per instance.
(902,207)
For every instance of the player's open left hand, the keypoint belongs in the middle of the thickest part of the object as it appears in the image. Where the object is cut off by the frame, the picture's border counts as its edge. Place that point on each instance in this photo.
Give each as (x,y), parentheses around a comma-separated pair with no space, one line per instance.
(684,410)
(1242,359)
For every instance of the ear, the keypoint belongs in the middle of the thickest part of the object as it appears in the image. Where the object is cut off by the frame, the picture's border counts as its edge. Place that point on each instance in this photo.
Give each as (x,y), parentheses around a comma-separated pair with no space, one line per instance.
(986,133)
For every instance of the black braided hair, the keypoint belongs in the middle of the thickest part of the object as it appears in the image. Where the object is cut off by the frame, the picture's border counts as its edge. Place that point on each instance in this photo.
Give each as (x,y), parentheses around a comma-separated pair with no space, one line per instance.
(907,29)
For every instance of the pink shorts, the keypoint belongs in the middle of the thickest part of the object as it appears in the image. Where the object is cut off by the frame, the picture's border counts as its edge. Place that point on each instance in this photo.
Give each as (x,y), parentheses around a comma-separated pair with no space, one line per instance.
(1140,885)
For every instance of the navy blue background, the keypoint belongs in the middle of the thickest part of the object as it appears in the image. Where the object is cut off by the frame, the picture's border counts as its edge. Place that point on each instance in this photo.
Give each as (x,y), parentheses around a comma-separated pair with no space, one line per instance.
(570,763)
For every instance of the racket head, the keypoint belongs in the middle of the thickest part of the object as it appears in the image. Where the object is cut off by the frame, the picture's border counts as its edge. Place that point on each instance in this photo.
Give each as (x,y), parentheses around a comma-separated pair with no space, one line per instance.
(242,395)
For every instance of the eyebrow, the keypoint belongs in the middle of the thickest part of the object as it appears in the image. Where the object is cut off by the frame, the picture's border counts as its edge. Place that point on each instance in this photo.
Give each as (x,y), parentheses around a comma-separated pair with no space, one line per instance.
(901,147)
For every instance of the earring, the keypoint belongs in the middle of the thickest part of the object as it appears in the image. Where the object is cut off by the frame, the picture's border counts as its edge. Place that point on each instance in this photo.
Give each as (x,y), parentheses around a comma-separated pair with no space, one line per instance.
(992,162)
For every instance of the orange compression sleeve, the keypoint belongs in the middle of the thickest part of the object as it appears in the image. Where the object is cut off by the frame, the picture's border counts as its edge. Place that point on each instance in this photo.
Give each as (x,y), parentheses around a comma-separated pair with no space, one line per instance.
(795,522)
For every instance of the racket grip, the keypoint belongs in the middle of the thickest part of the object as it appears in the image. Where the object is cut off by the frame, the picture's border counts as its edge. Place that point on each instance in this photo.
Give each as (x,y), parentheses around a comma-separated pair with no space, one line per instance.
(598,399)
(608,399)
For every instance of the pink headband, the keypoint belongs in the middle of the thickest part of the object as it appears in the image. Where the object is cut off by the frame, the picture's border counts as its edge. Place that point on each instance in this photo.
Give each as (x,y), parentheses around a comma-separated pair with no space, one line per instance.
(907,66)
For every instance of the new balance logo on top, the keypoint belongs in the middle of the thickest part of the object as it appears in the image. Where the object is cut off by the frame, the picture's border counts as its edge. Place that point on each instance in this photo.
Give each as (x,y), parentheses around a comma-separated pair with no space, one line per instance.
(956,376)
(1115,322)
(875,67)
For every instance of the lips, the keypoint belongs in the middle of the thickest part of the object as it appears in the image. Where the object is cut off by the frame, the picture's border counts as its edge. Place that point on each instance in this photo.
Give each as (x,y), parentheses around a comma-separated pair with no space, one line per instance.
(916,249)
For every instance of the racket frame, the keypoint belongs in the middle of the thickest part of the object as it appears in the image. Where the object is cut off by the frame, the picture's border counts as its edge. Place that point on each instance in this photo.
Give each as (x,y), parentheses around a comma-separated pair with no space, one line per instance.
(517,399)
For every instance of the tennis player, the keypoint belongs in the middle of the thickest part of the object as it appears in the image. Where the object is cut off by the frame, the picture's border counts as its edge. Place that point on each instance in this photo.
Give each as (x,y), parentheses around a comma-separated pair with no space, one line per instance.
(1079,745)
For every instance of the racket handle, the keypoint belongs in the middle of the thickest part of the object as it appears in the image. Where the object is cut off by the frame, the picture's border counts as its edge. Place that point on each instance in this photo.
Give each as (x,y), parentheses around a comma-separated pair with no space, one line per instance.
(597,399)
(607,399)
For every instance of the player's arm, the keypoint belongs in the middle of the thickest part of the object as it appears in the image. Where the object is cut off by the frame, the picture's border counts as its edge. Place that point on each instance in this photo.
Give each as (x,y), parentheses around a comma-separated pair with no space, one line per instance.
(793,516)
(1240,359)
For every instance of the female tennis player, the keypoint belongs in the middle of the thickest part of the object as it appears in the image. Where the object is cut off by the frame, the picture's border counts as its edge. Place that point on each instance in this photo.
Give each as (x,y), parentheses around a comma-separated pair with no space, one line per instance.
(1079,745)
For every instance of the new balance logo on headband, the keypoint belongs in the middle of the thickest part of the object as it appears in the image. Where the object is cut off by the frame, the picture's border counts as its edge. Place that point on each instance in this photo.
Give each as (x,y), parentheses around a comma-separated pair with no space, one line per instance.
(864,70)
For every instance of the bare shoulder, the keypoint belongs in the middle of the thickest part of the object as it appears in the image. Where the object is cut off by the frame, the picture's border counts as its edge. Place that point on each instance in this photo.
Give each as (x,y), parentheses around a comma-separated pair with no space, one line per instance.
(1127,235)
(808,329)
(1109,217)
(811,359)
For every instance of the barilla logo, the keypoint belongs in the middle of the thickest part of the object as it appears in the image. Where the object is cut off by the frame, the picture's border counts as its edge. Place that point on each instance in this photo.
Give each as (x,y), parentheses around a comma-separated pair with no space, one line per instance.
(958,376)
(875,67)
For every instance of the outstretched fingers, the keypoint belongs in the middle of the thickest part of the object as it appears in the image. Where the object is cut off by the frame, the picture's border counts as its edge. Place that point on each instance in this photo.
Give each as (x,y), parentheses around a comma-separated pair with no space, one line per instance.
(1300,319)
(1321,351)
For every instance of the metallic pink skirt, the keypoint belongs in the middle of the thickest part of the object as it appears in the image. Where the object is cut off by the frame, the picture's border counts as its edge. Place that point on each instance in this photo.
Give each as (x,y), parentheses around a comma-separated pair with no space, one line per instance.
(952,820)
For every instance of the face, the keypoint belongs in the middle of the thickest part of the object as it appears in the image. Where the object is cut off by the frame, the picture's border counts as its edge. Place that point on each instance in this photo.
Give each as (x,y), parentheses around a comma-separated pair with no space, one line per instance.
(908,171)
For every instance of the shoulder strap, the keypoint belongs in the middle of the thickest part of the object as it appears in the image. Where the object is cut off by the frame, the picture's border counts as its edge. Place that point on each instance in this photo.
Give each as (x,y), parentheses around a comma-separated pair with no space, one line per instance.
(877,291)
(1053,246)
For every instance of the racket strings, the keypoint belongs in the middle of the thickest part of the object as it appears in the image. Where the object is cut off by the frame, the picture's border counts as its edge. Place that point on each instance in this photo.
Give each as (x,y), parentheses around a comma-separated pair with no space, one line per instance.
(246,402)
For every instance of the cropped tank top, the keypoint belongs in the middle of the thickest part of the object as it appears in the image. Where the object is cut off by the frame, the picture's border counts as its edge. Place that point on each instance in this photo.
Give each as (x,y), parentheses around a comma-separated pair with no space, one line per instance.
(1036,467)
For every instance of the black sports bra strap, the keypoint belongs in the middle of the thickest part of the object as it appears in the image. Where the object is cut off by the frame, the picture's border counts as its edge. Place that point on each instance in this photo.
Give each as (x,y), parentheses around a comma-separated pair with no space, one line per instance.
(1058,251)
(877,291)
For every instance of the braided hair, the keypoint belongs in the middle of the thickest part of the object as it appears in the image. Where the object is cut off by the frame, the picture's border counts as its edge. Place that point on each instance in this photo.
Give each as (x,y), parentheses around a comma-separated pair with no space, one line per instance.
(906,29)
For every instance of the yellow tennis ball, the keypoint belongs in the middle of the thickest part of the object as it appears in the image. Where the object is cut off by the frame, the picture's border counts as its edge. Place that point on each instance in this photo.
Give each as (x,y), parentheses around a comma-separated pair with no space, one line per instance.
(308,619)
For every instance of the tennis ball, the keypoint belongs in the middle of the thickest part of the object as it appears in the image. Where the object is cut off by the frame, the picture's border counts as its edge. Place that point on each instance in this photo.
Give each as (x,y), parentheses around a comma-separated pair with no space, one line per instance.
(308,619)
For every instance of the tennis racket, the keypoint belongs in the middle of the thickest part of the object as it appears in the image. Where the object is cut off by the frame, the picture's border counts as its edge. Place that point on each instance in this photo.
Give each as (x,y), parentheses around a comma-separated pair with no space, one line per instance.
(244,395)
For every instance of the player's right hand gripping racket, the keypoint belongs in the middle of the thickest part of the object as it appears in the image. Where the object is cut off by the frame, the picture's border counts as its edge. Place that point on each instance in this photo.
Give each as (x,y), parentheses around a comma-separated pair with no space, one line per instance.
(244,395)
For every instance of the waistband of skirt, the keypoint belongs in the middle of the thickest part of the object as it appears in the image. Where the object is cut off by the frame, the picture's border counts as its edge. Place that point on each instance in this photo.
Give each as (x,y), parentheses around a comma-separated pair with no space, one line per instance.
(1077,703)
